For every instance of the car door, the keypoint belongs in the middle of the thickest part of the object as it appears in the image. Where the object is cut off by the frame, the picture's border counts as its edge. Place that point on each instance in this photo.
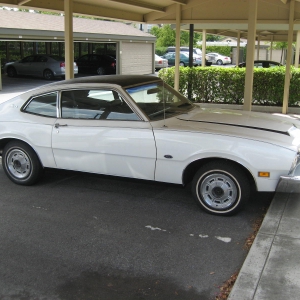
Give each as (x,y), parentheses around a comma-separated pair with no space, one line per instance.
(83,64)
(99,132)
(40,65)
(25,66)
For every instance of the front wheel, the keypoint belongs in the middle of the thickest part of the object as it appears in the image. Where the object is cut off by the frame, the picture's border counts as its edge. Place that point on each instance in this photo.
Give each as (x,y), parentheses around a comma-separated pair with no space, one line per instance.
(21,164)
(221,188)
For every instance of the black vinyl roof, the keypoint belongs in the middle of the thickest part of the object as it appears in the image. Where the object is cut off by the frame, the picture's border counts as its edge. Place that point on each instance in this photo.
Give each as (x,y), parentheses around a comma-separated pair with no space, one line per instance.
(122,80)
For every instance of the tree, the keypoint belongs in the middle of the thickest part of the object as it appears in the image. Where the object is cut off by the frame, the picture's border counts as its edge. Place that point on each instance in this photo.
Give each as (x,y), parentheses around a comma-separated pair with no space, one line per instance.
(166,36)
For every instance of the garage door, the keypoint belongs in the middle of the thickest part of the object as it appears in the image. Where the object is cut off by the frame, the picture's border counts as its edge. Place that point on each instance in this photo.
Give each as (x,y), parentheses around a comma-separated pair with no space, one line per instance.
(137,58)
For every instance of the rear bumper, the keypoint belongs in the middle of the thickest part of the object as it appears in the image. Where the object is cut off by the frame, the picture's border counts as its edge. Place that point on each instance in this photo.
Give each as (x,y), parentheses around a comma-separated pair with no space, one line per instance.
(288,184)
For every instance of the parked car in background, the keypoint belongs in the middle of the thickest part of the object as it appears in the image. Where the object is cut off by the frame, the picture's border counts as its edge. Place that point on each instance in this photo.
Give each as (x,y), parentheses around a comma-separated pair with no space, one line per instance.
(160,62)
(100,64)
(185,49)
(184,59)
(199,59)
(219,59)
(139,127)
(262,64)
(41,65)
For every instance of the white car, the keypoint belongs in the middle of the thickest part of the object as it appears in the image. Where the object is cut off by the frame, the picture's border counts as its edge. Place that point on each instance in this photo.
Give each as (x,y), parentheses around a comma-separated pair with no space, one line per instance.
(160,62)
(41,65)
(139,127)
(219,59)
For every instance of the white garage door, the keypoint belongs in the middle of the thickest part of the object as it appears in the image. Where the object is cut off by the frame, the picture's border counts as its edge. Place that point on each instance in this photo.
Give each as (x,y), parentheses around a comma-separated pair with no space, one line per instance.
(137,58)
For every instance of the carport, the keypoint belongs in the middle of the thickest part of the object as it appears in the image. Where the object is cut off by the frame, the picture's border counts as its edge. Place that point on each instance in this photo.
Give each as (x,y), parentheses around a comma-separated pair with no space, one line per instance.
(254,19)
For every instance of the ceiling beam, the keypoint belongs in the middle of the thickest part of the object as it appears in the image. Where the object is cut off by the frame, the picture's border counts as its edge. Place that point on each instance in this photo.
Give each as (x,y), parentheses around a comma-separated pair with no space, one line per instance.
(23,2)
(183,2)
(141,5)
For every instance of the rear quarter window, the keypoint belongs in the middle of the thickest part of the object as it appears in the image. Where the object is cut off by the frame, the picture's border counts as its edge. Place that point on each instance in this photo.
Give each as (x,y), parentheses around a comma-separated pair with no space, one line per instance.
(43,105)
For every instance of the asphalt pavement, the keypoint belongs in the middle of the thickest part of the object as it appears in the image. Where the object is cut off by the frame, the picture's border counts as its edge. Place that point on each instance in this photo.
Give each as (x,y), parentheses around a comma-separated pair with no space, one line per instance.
(270,271)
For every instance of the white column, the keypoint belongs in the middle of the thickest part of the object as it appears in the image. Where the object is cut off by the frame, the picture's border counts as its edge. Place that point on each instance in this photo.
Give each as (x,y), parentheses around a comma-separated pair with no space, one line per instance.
(250,55)
(177,49)
(203,47)
(69,47)
(288,59)
(297,50)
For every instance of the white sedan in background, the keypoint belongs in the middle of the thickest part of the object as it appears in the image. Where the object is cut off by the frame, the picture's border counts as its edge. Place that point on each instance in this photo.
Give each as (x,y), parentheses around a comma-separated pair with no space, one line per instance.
(219,59)
(139,127)
(160,62)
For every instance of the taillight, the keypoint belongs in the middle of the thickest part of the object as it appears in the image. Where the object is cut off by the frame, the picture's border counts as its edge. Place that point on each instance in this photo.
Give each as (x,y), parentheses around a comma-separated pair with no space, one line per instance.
(160,62)
(62,64)
(113,64)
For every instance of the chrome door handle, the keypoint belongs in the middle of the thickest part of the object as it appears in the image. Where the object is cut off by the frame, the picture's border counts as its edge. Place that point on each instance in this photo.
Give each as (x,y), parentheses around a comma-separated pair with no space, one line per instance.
(57,125)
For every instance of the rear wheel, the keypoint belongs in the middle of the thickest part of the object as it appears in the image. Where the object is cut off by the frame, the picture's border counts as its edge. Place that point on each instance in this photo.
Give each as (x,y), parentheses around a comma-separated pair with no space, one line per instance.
(182,64)
(219,62)
(11,72)
(101,71)
(221,188)
(48,74)
(21,164)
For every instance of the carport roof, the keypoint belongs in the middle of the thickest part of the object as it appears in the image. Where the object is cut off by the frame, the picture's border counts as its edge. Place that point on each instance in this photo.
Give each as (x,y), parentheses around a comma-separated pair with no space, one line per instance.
(16,24)
(223,17)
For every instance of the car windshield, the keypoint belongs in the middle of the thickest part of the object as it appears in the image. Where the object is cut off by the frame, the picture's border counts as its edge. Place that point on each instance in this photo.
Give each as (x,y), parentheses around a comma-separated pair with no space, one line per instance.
(158,100)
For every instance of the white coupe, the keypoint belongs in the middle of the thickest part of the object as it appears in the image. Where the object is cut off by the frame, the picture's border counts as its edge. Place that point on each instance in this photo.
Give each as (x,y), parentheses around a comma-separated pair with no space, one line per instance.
(139,127)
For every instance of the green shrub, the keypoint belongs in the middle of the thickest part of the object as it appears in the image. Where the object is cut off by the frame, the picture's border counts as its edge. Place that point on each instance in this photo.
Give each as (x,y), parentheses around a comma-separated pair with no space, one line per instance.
(226,85)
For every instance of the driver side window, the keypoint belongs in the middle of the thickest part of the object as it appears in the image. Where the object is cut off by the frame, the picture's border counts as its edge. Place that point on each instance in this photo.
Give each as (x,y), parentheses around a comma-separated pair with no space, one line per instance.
(95,104)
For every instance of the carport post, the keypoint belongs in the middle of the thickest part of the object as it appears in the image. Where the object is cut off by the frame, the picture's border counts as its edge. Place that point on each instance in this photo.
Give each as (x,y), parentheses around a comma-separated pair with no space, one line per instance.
(177,49)
(287,79)
(0,78)
(69,47)
(250,55)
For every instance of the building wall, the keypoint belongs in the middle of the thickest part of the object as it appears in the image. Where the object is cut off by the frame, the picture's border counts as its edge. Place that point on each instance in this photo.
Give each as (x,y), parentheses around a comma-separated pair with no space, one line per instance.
(137,58)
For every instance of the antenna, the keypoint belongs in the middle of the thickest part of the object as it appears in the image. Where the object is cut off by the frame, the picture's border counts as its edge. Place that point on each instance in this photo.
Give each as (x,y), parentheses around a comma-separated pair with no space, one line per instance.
(164,102)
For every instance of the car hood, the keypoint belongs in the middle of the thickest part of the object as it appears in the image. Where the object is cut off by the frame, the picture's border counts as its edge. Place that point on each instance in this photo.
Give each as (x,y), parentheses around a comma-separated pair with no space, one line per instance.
(260,121)
(276,129)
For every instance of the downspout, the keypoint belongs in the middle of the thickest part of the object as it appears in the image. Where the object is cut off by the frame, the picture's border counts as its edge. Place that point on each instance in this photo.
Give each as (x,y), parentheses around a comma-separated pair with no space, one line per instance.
(297,50)
(177,49)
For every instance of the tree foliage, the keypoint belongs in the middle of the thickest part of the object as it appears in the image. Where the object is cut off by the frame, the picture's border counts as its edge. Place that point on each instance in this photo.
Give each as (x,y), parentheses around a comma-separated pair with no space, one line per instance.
(166,36)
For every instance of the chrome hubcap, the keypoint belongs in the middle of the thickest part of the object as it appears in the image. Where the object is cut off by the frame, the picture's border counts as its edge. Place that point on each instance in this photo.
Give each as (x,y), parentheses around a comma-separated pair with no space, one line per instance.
(18,163)
(218,191)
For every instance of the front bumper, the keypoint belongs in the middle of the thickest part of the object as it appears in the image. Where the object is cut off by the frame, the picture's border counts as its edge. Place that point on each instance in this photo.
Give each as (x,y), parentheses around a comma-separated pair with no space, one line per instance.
(288,184)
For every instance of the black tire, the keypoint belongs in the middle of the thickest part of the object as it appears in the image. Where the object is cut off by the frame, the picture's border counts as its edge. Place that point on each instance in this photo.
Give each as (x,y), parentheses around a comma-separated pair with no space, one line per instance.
(11,72)
(182,64)
(221,188)
(219,62)
(21,164)
(101,71)
(48,74)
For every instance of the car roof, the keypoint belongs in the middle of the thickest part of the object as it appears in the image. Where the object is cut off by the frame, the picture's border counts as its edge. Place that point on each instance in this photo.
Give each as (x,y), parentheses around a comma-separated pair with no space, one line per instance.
(122,80)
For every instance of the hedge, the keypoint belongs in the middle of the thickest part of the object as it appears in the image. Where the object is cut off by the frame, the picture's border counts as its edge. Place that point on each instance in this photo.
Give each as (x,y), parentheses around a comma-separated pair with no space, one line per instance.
(226,85)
